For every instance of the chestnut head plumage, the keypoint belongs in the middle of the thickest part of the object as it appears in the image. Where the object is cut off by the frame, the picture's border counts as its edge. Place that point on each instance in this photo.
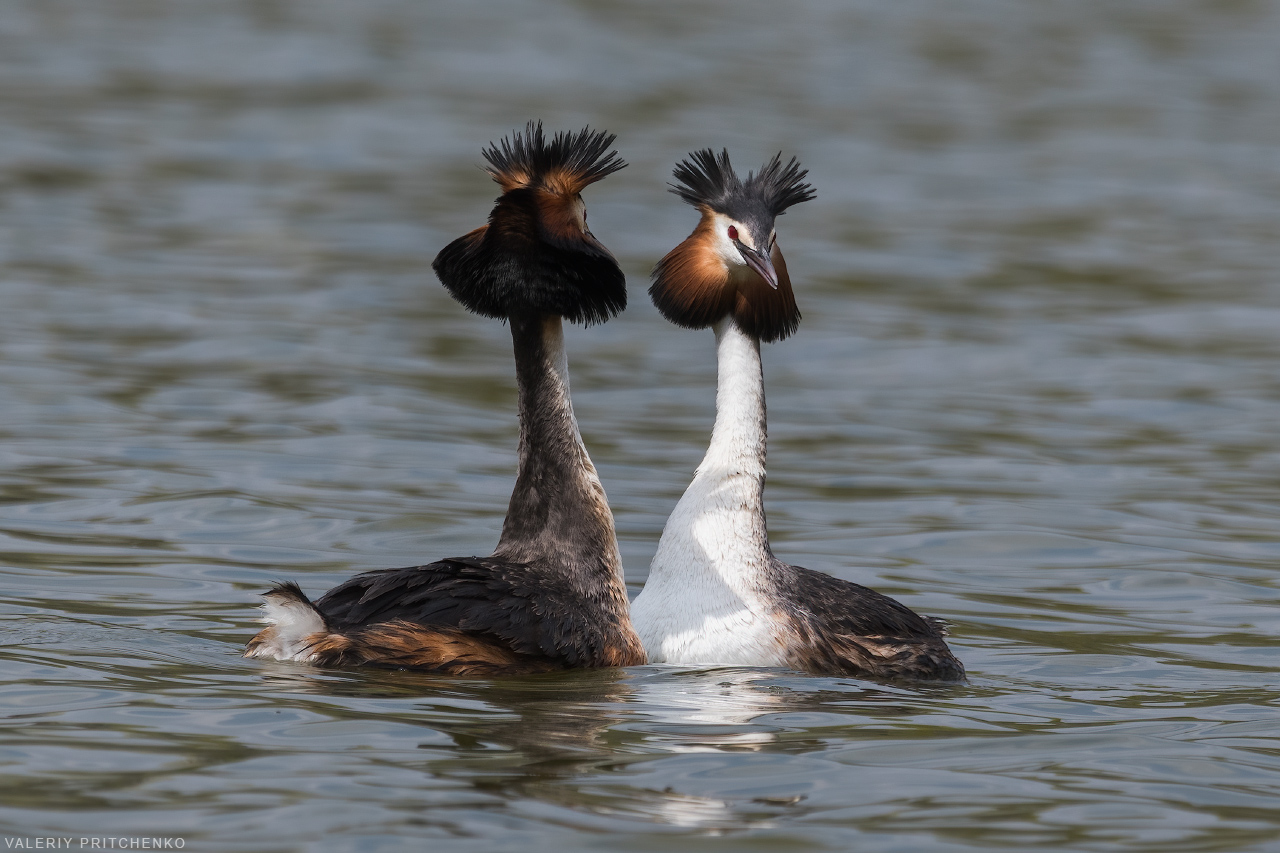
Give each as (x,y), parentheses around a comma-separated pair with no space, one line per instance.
(731,264)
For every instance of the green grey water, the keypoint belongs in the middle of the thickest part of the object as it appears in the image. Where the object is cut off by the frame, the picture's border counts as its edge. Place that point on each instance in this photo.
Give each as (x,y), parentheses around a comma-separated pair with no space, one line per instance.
(1035,392)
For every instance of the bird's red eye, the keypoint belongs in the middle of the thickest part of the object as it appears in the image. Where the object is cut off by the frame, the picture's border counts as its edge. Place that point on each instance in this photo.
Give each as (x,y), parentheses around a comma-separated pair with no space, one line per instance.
(733,233)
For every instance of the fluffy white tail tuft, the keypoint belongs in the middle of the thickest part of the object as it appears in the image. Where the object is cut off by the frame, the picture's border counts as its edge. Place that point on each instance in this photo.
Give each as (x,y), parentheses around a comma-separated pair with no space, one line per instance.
(293,623)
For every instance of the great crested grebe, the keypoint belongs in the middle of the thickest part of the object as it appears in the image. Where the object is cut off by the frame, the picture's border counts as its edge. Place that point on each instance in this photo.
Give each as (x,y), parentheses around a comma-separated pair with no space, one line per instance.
(552,595)
(715,593)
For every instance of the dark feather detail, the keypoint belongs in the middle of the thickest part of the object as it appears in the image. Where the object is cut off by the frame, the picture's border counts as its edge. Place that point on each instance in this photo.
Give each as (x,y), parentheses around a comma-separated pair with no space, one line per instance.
(566,165)
(505,269)
(780,186)
(536,255)
(841,628)
(708,180)
(531,612)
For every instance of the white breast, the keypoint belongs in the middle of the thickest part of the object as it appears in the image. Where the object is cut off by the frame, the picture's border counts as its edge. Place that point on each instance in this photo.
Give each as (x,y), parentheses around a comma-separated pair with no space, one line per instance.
(705,602)
(686,627)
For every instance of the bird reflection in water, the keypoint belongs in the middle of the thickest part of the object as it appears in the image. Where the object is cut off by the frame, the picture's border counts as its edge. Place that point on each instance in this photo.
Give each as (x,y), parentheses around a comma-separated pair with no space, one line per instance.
(563,738)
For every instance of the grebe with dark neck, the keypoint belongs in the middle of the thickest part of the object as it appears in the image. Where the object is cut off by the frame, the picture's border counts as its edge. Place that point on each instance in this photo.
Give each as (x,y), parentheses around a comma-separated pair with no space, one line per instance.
(716,594)
(551,596)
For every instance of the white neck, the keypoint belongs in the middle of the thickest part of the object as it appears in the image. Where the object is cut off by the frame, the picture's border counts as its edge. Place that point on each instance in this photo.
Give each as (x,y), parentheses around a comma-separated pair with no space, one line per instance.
(708,594)
(723,508)
(736,455)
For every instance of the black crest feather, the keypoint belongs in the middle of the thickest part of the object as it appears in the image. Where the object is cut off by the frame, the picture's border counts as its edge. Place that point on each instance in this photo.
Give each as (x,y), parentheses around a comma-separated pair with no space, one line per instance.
(708,179)
(535,256)
(528,160)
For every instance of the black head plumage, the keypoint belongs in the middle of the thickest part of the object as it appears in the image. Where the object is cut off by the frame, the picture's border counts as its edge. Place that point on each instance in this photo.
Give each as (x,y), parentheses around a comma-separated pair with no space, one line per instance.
(536,255)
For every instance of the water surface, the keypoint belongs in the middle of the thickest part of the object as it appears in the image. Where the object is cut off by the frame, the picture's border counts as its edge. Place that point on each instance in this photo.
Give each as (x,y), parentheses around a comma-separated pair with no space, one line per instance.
(1035,393)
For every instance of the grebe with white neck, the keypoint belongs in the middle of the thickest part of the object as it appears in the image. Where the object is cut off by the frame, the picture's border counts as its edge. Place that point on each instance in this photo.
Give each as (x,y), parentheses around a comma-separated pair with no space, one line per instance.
(716,594)
(551,596)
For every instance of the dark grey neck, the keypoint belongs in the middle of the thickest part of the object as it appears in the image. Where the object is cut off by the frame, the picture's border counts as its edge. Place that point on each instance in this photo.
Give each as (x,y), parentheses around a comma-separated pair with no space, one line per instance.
(558,515)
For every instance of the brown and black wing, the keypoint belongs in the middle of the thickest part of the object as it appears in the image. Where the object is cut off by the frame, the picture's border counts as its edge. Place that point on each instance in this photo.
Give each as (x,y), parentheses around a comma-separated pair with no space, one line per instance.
(516,615)
(844,628)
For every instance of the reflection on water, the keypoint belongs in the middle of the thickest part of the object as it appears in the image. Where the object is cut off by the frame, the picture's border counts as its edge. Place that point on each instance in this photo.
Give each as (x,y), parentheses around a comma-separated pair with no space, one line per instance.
(1034,393)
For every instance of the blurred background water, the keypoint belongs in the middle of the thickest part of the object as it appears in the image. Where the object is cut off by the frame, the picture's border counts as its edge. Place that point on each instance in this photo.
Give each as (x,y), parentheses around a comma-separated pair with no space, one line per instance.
(1035,393)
